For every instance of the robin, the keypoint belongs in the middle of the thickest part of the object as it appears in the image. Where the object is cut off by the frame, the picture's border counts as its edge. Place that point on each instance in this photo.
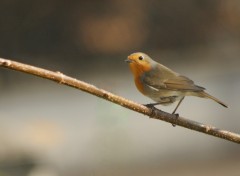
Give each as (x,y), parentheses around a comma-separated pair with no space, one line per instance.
(161,84)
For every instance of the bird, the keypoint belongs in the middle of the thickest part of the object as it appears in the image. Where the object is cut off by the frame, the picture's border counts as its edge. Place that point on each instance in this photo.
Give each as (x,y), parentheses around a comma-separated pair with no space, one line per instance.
(162,84)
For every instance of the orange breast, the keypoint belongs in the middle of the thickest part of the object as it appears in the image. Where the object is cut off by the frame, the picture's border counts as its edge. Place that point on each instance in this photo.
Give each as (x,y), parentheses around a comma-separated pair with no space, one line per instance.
(139,85)
(138,70)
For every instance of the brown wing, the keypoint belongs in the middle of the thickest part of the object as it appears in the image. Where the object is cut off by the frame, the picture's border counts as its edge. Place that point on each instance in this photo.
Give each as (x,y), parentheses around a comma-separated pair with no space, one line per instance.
(164,78)
(182,83)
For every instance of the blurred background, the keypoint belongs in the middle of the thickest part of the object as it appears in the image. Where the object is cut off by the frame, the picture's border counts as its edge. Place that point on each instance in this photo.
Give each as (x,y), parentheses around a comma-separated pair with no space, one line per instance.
(52,130)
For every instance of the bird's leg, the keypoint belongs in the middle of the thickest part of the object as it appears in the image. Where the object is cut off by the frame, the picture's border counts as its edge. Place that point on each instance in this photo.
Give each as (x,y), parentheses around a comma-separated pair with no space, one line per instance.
(178,105)
(177,115)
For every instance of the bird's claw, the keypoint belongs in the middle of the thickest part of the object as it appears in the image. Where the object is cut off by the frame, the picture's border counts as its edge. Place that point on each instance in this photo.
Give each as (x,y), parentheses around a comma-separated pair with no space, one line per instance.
(152,107)
(149,105)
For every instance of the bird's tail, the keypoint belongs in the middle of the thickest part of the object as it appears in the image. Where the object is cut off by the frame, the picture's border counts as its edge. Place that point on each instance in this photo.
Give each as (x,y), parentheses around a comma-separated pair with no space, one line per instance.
(204,94)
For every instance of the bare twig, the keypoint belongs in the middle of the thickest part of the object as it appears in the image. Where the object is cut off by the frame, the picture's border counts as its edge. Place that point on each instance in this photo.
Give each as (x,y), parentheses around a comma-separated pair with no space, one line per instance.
(152,113)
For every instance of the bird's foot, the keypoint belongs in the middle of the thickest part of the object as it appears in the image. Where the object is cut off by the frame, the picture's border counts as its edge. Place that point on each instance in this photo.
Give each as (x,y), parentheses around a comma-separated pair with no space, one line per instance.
(149,105)
(152,107)
(175,117)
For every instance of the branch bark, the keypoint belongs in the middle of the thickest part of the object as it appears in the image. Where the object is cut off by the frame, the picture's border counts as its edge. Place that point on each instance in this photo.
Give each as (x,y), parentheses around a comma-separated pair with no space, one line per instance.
(152,113)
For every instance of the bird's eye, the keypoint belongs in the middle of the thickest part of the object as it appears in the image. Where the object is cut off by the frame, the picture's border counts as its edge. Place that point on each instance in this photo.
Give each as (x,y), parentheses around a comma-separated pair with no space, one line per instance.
(140,57)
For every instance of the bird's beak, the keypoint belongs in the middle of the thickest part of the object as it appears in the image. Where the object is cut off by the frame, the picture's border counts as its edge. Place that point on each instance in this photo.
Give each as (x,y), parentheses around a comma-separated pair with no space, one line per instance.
(128,60)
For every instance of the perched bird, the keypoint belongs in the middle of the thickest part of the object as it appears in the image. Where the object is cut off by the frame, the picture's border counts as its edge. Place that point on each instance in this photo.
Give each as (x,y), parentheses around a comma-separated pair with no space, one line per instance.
(161,84)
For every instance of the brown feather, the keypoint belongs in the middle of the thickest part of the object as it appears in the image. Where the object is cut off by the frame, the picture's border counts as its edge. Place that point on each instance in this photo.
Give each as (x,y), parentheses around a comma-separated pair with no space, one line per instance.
(213,98)
(161,77)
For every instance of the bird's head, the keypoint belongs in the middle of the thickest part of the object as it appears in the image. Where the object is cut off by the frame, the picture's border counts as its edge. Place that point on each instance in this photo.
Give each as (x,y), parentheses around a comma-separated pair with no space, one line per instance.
(139,63)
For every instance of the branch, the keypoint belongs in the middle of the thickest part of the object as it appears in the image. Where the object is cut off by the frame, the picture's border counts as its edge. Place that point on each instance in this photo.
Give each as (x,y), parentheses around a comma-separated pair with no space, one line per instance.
(152,113)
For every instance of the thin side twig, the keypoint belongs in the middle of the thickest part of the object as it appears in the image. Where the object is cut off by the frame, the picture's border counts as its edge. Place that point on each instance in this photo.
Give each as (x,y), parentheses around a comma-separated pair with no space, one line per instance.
(152,113)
